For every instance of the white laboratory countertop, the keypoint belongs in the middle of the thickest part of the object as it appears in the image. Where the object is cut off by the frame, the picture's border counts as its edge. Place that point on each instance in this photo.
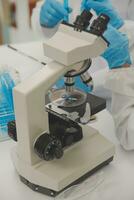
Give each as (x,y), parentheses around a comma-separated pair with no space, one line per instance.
(118,181)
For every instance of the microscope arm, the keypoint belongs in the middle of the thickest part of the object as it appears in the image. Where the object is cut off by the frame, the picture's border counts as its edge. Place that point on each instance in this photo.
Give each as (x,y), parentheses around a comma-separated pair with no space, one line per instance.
(29,96)
(29,106)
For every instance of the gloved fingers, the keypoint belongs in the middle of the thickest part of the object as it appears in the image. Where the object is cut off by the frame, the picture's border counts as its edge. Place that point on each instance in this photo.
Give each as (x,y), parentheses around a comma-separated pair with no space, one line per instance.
(117,54)
(49,23)
(44,22)
(50,20)
(49,10)
(114,59)
(52,11)
(114,36)
(97,6)
(53,14)
(59,8)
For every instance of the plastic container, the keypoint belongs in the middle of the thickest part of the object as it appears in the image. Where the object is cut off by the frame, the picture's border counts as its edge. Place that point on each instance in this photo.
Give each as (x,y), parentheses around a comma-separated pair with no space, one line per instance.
(8,79)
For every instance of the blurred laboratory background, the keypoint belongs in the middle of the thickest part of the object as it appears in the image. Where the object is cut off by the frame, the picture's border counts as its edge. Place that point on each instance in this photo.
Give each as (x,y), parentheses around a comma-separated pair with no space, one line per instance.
(15,23)
(15,19)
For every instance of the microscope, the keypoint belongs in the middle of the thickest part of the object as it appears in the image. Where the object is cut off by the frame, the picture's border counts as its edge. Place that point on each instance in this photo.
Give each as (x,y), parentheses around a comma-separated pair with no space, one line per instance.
(56,146)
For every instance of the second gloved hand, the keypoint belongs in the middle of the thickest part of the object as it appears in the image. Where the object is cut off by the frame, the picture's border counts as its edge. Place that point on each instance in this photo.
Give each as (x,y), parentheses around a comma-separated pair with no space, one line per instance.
(117,54)
(105,7)
(52,12)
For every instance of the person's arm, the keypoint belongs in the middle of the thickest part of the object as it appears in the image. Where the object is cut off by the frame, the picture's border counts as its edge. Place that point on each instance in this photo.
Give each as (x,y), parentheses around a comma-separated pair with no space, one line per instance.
(120,83)
(117,54)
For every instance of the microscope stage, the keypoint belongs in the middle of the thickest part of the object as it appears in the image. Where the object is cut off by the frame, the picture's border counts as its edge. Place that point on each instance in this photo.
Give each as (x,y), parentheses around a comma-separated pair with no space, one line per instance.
(79,161)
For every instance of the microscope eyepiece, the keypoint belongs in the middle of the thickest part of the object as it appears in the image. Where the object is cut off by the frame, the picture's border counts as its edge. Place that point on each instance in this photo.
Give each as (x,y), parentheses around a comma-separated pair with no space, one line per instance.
(99,25)
(82,21)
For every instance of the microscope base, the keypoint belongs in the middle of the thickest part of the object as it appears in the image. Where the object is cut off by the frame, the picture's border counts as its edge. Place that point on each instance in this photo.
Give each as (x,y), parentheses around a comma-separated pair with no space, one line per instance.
(53,193)
(79,161)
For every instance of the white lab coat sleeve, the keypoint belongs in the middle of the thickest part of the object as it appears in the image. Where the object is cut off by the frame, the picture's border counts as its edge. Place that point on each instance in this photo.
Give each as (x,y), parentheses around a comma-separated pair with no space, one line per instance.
(98,71)
(42,32)
(128,29)
(121,84)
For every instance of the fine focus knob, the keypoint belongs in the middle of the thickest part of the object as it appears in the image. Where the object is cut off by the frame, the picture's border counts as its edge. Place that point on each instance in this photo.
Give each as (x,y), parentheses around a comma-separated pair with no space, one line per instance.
(58,152)
(48,147)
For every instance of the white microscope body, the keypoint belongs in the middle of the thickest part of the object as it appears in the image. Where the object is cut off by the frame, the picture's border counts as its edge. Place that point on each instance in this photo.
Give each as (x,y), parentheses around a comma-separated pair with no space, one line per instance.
(68,50)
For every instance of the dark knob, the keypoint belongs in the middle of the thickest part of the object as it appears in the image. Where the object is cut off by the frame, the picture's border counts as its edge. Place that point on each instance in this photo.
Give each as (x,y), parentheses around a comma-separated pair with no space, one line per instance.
(48,147)
(12,130)
(58,152)
(99,25)
(82,21)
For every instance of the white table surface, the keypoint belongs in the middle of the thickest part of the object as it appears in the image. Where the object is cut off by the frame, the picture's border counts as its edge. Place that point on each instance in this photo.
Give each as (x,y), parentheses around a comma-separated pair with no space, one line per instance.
(118,176)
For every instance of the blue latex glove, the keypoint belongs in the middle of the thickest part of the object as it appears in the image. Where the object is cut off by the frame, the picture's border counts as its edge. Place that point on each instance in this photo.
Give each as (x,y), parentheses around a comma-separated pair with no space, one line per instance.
(52,12)
(105,7)
(117,53)
(6,101)
(7,85)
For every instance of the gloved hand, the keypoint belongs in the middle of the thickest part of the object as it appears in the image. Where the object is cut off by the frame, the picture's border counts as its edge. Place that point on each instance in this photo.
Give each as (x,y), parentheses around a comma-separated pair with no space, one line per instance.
(105,7)
(52,12)
(117,54)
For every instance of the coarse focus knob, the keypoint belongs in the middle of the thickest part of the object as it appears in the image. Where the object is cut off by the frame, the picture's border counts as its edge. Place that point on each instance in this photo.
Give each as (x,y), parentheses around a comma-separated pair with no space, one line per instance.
(48,147)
